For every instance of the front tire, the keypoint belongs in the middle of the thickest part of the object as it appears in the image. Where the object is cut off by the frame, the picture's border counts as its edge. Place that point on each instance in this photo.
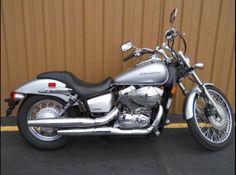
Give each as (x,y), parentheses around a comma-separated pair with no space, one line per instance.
(37,106)
(207,128)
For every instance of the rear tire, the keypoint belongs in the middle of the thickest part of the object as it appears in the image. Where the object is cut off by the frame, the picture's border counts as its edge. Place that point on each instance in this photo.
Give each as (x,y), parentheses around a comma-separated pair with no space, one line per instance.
(26,131)
(197,130)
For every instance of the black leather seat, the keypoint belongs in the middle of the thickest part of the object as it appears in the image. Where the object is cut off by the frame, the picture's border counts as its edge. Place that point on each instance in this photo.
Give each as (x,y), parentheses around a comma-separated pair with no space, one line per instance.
(83,89)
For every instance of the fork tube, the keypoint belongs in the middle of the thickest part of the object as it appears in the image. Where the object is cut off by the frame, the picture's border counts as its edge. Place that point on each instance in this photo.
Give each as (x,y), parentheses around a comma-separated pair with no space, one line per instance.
(183,89)
(196,78)
(206,92)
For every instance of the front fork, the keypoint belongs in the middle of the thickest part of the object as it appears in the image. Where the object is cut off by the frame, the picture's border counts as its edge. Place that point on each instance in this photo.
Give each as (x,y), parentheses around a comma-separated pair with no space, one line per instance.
(200,84)
(203,89)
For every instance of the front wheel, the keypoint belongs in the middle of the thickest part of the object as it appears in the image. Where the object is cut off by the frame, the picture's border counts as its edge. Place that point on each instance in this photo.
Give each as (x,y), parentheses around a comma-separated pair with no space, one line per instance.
(212,131)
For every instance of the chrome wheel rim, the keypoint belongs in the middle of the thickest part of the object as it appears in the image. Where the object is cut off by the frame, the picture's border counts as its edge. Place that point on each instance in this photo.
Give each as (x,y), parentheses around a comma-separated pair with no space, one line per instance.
(214,129)
(44,109)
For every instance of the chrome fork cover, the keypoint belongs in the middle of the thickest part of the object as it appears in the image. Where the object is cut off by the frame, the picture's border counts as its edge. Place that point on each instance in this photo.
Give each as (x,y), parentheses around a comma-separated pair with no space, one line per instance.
(189,102)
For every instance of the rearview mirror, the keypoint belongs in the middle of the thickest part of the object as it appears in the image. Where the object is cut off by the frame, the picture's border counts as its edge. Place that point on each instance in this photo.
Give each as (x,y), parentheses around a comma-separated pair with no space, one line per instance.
(173,16)
(126,46)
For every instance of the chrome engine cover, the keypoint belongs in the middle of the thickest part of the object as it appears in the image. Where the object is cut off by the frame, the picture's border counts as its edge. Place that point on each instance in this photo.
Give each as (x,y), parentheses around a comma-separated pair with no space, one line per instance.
(146,96)
(128,121)
(139,103)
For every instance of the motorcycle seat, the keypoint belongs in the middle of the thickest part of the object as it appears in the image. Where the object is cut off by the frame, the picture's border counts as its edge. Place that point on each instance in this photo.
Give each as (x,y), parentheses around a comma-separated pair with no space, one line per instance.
(83,89)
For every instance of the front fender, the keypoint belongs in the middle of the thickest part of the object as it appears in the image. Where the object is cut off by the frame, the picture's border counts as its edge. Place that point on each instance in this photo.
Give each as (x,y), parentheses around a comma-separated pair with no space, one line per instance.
(36,85)
(189,101)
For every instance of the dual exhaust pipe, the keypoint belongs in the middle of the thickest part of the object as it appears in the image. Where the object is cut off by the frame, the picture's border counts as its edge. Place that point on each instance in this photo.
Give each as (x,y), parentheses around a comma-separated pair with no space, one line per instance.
(76,123)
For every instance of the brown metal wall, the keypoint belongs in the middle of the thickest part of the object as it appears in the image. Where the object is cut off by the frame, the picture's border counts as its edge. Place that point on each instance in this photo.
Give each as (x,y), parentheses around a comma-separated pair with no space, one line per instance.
(84,37)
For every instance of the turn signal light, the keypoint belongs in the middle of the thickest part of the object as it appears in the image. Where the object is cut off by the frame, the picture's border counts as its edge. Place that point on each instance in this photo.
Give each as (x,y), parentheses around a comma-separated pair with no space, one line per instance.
(173,90)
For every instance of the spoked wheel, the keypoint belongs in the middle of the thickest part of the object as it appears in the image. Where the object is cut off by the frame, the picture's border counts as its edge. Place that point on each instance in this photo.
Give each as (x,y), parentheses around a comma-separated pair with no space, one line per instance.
(212,131)
(47,108)
(40,107)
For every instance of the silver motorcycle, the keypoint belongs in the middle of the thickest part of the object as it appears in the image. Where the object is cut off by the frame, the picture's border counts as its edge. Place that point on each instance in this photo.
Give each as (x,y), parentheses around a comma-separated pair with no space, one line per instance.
(56,105)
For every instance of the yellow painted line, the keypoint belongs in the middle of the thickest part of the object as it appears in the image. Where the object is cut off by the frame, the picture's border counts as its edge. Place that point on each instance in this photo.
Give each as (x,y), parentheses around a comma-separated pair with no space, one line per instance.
(9,128)
(183,125)
(177,125)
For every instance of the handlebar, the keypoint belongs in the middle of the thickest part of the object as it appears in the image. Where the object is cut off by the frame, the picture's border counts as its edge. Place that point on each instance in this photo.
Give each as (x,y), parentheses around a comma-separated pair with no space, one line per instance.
(171,35)
(139,52)
(128,57)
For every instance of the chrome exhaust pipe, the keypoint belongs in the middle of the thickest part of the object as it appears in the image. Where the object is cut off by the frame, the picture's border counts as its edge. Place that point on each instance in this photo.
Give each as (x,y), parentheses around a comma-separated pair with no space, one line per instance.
(112,130)
(74,122)
(101,131)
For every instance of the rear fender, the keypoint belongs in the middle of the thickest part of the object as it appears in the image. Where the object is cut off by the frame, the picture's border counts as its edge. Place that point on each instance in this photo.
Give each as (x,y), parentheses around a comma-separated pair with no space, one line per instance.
(189,101)
(40,87)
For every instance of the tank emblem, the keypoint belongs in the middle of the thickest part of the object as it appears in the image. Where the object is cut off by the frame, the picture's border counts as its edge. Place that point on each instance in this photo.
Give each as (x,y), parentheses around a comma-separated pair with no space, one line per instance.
(145,73)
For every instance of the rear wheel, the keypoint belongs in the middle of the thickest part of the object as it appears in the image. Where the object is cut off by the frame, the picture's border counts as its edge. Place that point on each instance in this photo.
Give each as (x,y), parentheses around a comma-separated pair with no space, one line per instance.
(212,131)
(36,107)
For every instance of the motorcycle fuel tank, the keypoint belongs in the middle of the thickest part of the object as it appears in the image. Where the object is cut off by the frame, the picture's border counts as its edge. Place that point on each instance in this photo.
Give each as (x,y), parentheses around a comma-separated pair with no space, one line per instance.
(149,73)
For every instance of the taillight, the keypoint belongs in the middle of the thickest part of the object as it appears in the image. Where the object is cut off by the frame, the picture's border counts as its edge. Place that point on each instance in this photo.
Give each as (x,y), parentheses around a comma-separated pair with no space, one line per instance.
(16,96)
(51,85)
(13,94)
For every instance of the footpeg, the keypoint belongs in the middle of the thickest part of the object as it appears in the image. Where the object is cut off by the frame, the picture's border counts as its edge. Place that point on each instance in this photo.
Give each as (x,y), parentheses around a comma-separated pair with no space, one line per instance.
(167,122)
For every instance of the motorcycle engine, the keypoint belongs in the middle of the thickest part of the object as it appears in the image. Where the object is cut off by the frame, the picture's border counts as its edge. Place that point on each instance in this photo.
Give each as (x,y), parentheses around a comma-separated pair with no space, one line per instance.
(138,104)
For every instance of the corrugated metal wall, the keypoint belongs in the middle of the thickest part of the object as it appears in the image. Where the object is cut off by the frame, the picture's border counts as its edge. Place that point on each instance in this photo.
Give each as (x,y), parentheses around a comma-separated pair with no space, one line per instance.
(84,37)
